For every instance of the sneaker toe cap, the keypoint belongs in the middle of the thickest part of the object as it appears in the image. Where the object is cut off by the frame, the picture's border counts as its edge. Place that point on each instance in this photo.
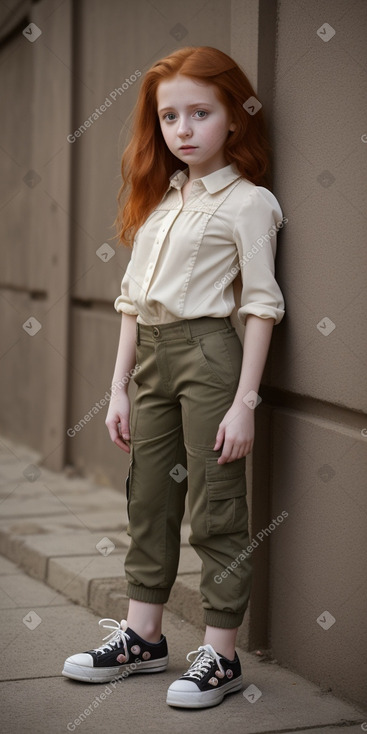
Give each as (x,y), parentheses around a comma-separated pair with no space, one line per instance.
(184,686)
(82,658)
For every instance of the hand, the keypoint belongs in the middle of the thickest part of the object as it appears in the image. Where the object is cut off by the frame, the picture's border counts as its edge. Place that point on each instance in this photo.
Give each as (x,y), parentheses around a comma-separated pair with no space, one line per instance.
(236,432)
(119,413)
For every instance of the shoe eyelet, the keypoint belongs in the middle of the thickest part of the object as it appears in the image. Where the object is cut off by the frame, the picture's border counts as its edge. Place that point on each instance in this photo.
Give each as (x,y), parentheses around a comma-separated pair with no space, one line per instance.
(135,649)
(121,658)
(213,681)
(229,673)
(146,655)
(219,674)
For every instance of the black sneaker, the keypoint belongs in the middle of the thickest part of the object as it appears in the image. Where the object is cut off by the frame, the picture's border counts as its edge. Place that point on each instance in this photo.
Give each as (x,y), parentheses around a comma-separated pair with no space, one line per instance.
(125,653)
(209,678)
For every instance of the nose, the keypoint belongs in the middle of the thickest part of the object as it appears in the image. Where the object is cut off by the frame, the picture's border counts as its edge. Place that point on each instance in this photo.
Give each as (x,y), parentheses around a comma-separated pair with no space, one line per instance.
(184,129)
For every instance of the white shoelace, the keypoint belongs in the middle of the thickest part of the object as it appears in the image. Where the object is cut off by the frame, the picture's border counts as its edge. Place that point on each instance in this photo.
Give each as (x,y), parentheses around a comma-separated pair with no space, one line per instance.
(117,636)
(206,655)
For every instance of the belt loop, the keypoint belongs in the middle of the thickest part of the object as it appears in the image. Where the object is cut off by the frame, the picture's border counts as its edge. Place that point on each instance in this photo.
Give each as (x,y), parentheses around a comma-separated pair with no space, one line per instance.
(187,330)
(137,334)
(228,322)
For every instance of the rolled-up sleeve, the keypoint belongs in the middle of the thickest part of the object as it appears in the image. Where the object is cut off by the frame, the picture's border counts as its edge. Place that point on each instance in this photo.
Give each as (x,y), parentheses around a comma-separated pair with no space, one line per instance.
(123,302)
(255,234)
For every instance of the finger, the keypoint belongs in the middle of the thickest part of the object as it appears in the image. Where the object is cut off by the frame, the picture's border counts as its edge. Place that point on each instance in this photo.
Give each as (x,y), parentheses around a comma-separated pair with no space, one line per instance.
(122,445)
(119,440)
(231,452)
(123,429)
(116,437)
(219,439)
(226,454)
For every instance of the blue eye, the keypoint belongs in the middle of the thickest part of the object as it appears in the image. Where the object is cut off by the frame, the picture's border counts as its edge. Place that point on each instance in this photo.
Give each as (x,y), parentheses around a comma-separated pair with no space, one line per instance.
(171,116)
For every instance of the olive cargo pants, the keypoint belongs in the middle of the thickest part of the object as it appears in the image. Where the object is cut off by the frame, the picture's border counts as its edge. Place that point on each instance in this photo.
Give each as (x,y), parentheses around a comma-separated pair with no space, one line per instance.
(188,376)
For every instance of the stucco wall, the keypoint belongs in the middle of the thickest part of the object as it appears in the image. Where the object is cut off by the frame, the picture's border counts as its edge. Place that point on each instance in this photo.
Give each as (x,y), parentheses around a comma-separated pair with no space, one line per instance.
(318,365)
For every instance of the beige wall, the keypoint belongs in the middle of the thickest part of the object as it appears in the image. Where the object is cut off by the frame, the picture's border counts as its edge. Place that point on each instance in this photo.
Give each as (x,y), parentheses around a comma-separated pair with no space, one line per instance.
(310,453)
(35,225)
(318,377)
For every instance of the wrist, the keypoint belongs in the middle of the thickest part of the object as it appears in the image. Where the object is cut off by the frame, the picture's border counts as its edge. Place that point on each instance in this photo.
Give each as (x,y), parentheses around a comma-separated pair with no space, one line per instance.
(247,400)
(119,386)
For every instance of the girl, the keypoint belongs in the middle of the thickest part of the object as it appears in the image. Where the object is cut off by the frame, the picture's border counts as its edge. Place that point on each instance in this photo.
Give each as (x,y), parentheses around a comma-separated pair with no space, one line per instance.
(197,216)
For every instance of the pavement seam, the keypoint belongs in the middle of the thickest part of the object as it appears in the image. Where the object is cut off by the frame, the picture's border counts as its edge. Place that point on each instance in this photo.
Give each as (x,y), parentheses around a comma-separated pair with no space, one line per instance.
(339,724)
(11,545)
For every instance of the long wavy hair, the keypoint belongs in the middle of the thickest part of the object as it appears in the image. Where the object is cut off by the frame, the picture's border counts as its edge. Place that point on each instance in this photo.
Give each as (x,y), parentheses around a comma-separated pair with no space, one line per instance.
(147,163)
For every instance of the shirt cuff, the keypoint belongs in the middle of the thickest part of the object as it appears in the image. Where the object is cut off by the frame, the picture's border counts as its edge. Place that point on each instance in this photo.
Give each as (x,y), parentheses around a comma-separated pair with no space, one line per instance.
(121,306)
(263,312)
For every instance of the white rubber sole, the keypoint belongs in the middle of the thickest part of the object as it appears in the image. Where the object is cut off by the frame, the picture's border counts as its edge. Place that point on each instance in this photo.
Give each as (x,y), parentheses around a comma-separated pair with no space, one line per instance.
(106,675)
(202,699)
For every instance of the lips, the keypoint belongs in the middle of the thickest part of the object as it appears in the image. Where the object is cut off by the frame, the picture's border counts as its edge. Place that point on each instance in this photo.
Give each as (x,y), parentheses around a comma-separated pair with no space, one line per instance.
(188,147)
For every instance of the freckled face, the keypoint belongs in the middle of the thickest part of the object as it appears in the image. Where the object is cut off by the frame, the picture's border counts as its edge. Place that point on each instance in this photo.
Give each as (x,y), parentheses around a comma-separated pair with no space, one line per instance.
(194,123)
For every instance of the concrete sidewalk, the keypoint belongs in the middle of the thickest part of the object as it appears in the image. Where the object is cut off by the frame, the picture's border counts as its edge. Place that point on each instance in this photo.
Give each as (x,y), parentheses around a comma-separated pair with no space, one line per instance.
(65,541)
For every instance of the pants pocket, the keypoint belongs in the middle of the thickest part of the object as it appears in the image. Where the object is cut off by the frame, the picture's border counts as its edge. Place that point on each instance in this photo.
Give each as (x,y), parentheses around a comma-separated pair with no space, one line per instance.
(221,355)
(226,497)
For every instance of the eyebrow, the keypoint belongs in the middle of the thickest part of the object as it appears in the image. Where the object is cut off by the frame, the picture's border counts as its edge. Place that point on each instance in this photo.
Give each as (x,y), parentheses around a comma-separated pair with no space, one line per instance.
(190,106)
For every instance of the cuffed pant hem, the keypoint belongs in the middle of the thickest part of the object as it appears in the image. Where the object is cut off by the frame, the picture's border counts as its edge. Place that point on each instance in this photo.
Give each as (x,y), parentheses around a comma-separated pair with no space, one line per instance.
(225,620)
(150,596)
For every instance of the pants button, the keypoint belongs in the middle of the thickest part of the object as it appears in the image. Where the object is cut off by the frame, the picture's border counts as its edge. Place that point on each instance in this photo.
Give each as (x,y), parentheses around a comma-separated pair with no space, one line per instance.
(156,331)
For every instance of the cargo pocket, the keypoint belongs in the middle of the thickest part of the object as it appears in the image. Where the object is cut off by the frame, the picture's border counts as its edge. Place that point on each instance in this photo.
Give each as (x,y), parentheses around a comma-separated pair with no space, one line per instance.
(226,497)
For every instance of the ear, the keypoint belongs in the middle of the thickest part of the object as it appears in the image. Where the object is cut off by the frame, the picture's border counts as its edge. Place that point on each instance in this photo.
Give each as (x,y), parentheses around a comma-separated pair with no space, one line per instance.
(232,126)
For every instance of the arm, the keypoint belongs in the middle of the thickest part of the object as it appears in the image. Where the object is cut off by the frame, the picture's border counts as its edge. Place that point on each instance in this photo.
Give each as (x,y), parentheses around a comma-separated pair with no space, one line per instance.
(236,430)
(262,306)
(119,408)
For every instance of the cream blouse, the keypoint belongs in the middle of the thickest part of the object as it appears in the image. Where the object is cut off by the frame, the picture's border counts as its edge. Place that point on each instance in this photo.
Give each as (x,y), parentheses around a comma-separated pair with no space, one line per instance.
(185,256)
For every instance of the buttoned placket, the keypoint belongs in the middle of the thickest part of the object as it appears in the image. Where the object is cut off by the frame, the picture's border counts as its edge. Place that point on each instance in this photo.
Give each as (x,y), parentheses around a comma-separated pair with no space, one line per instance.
(158,244)
(166,225)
